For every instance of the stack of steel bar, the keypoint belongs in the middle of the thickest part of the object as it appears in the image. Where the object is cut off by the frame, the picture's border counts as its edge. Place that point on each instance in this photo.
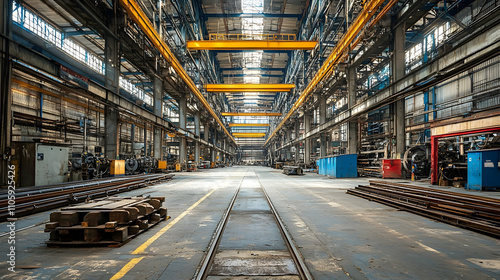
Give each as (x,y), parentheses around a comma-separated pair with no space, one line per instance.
(45,198)
(473,212)
(108,221)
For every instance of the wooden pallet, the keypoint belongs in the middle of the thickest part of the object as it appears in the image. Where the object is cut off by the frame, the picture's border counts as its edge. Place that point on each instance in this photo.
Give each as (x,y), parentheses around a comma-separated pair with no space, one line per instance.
(107,222)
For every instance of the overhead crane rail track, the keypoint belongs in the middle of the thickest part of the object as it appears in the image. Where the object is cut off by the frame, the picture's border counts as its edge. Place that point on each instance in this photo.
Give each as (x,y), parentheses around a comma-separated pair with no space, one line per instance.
(45,198)
(206,269)
(472,212)
(263,37)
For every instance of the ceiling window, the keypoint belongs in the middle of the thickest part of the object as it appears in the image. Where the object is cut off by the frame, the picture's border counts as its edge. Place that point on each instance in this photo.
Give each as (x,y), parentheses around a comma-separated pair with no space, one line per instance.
(252,6)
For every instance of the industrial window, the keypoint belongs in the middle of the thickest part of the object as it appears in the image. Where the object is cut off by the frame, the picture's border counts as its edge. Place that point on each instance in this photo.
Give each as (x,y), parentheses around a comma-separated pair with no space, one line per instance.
(33,23)
(441,33)
(134,90)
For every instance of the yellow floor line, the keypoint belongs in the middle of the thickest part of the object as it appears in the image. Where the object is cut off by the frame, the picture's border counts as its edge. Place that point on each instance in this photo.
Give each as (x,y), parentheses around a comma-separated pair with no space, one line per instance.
(153,238)
(126,268)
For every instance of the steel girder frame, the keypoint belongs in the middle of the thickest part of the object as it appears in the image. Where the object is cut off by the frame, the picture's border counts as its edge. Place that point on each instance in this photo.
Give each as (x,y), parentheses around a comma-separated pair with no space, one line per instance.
(257,114)
(137,15)
(228,45)
(338,53)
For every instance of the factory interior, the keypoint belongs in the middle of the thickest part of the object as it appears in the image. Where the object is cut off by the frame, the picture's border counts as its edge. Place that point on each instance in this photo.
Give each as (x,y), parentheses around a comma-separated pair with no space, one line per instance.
(250,139)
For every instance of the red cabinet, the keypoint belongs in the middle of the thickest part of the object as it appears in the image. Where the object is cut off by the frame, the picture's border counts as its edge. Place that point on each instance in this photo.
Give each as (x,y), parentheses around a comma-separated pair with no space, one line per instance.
(391,168)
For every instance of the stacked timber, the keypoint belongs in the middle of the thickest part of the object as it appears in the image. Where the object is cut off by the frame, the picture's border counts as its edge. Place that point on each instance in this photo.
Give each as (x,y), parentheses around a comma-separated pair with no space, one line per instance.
(109,221)
(469,211)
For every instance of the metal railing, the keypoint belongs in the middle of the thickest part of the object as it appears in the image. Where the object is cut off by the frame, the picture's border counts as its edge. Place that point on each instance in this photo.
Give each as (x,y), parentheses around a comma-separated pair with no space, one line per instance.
(258,37)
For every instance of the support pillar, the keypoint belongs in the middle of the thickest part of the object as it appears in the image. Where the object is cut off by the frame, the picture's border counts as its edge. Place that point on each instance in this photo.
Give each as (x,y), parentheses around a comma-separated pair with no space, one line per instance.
(111,136)
(197,144)
(307,141)
(112,84)
(297,135)
(157,143)
(158,97)
(323,144)
(5,89)
(182,125)
(145,133)
(398,72)
(132,138)
(352,126)
(214,142)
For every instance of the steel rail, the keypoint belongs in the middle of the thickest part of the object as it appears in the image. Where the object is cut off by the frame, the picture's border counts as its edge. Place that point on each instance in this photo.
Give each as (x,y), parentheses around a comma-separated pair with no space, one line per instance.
(334,58)
(440,215)
(136,13)
(430,202)
(469,198)
(203,270)
(292,248)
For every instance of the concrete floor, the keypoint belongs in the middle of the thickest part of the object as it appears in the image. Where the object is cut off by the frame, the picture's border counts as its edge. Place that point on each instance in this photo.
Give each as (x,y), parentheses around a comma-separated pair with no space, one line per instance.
(339,235)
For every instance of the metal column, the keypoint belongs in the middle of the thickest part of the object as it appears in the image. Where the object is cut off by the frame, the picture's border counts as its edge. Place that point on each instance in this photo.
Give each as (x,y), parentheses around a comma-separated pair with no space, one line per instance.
(157,143)
(112,85)
(297,146)
(307,141)
(5,88)
(352,129)
(111,136)
(145,133)
(157,97)
(398,72)
(322,120)
(197,144)
(182,125)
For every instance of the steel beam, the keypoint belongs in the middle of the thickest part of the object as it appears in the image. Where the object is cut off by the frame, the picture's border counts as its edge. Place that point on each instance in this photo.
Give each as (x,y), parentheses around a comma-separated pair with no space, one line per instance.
(248,124)
(139,17)
(230,45)
(252,15)
(257,114)
(337,55)
(248,135)
(248,87)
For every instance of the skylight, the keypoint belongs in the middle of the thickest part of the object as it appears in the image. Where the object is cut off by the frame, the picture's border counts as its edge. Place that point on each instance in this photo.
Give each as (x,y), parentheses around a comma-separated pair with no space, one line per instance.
(252,6)
(252,26)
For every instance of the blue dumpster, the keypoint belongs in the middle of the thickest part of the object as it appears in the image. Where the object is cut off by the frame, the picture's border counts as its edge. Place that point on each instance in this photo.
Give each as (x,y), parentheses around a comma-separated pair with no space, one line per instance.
(341,166)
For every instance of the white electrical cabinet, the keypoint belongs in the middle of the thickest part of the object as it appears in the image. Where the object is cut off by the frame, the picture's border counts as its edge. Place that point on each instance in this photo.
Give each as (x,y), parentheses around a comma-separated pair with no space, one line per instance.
(40,164)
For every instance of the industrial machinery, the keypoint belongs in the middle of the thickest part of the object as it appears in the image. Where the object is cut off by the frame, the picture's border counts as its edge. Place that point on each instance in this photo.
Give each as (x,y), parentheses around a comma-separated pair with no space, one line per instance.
(416,161)
(94,166)
(141,165)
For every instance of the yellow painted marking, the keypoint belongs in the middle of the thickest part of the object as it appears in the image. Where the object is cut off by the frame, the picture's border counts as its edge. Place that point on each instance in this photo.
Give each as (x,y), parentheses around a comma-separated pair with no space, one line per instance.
(126,268)
(153,238)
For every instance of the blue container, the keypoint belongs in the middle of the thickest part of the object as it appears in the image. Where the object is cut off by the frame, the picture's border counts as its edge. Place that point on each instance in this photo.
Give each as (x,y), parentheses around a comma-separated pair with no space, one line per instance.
(483,170)
(341,166)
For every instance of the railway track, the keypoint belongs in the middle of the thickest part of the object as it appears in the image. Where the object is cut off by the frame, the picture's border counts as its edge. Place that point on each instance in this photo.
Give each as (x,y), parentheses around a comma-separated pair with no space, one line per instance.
(251,241)
(44,198)
(481,214)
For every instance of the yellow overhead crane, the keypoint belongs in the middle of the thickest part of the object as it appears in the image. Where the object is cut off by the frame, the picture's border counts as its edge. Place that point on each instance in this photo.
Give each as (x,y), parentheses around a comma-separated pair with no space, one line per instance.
(135,12)
(340,51)
(248,135)
(248,124)
(248,87)
(229,42)
(257,114)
